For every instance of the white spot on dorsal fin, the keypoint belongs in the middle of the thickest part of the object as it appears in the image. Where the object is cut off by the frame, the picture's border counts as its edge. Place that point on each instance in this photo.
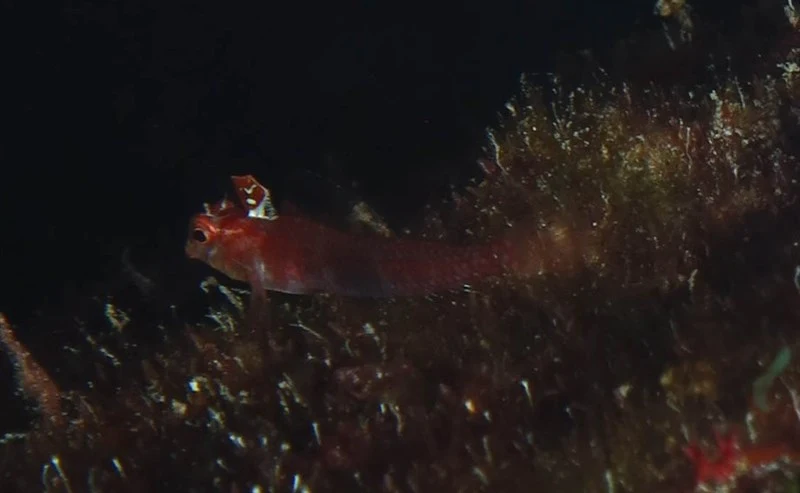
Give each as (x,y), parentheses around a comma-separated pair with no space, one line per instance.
(254,197)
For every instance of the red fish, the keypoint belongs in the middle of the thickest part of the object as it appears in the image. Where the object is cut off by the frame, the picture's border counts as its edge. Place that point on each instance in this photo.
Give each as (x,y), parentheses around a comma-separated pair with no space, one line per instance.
(289,253)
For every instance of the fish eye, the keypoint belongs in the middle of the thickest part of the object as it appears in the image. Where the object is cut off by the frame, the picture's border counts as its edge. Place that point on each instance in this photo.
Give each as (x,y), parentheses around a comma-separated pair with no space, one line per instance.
(199,235)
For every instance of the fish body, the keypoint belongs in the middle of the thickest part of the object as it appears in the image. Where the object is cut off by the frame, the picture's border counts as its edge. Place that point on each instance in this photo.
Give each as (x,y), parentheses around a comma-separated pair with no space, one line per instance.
(293,254)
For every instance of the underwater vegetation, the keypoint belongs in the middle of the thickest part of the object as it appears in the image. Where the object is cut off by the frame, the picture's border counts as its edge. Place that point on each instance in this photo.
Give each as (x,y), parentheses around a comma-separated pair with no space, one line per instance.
(650,344)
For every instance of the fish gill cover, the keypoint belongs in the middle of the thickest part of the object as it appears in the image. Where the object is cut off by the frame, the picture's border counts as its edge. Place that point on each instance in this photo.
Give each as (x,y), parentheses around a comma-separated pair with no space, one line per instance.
(647,347)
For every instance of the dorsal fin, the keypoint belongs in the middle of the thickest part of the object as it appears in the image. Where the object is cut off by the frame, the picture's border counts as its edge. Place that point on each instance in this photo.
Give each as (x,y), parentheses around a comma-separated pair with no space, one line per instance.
(255,197)
(219,208)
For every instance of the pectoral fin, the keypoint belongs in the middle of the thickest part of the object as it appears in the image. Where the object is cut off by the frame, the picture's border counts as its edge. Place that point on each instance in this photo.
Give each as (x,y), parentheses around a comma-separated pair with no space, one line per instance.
(258,313)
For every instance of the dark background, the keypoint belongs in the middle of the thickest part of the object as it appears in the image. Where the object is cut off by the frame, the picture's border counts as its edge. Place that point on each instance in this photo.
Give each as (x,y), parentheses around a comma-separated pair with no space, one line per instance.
(123,117)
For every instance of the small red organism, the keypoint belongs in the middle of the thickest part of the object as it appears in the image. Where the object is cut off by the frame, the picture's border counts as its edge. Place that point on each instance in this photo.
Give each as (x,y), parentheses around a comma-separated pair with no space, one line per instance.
(720,468)
(732,460)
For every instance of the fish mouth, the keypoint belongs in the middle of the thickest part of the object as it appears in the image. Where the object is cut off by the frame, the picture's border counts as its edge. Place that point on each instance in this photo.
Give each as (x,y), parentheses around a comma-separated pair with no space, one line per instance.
(195,251)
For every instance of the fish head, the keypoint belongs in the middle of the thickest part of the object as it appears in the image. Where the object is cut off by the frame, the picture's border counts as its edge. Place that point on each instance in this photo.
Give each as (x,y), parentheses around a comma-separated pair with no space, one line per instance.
(218,241)
(231,237)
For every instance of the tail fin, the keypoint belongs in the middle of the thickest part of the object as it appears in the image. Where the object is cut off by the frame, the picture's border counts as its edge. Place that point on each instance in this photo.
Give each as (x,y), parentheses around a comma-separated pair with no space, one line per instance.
(557,248)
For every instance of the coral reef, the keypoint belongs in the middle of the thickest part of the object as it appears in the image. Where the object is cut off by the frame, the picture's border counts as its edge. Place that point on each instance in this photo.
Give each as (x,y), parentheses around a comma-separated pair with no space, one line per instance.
(630,355)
